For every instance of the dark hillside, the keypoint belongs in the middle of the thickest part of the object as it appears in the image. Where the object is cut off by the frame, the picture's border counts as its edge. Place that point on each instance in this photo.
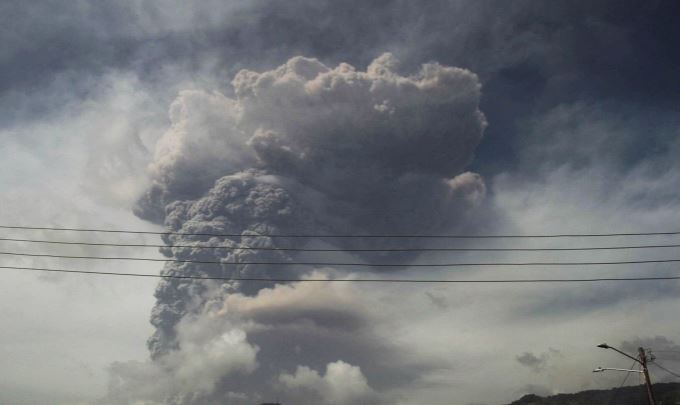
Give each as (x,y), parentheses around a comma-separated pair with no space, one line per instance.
(666,394)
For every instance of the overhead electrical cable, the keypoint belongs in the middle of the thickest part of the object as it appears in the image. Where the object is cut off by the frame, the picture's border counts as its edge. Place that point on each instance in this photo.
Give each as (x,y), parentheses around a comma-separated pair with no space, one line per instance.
(665,369)
(375,280)
(665,351)
(565,235)
(446,249)
(615,392)
(344,264)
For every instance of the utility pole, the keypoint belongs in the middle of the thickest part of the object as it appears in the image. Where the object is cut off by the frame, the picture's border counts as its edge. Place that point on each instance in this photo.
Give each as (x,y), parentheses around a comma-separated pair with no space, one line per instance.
(642,360)
(648,382)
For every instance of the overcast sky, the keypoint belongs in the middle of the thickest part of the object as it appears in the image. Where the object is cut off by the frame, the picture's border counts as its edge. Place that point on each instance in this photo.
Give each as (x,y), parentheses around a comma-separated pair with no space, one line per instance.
(334,117)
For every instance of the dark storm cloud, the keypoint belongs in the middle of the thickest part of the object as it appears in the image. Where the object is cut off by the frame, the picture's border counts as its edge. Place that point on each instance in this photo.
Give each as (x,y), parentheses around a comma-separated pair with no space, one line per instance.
(530,54)
(572,302)
(537,363)
(618,135)
(666,347)
(530,360)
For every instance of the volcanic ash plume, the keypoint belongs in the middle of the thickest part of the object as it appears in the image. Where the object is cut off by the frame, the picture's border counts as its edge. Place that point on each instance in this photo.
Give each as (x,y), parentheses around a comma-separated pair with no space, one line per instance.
(301,149)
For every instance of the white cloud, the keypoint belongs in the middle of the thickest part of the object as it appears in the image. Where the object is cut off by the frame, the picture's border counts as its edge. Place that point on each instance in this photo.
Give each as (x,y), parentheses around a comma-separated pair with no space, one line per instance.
(341,384)
(187,374)
(63,329)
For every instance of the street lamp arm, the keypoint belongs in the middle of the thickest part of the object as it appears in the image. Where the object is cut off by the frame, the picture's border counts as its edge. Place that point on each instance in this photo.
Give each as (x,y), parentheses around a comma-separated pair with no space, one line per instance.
(601,369)
(606,346)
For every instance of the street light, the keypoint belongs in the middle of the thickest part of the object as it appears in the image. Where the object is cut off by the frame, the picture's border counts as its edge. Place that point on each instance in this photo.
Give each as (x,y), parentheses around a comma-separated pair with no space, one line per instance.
(641,359)
(601,369)
(606,346)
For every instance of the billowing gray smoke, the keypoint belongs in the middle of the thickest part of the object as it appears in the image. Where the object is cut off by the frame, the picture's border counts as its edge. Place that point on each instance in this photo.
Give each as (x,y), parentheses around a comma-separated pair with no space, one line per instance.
(303,149)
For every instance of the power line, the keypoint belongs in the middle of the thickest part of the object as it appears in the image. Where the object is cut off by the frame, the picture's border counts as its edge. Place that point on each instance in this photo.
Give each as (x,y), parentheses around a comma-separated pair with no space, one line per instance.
(342,250)
(615,394)
(146,259)
(375,280)
(565,235)
(666,370)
